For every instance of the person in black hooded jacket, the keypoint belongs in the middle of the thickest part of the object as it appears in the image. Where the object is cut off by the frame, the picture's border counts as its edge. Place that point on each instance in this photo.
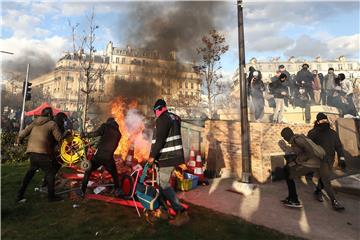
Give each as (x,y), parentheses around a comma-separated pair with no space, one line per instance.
(329,140)
(110,137)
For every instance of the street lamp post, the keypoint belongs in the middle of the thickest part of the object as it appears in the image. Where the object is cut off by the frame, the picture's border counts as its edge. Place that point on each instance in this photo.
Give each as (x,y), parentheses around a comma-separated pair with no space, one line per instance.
(245,130)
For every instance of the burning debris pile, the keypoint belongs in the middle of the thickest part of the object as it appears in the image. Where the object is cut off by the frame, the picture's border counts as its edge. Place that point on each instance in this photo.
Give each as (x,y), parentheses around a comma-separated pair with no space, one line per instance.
(133,129)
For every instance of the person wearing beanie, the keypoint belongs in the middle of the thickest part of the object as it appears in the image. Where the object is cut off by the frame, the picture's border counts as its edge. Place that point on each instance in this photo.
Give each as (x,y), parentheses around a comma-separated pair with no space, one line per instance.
(310,159)
(256,90)
(280,91)
(305,78)
(167,153)
(109,140)
(41,133)
(329,140)
(329,84)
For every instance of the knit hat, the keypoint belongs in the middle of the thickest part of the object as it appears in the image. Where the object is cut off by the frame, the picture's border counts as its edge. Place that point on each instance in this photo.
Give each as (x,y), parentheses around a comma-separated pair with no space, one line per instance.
(283,75)
(47,112)
(305,64)
(321,116)
(287,133)
(159,103)
(341,76)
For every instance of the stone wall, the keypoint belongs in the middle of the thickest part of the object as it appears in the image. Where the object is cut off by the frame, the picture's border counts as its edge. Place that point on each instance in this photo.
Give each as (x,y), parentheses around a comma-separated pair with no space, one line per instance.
(223,146)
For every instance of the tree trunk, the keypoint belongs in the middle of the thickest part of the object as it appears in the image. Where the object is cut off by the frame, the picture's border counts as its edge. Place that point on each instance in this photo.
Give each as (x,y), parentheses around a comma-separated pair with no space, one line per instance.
(210,103)
(84,117)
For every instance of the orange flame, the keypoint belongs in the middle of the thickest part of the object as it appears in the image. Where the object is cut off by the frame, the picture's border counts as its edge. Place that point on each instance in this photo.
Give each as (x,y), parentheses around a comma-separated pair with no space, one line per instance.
(133,134)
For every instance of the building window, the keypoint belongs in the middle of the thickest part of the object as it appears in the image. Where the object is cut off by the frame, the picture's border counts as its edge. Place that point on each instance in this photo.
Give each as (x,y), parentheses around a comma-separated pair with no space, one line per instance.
(117,60)
(186,84)
(68,86)
(192,85)
(340,66)
(319,67)
(123,61)
(68,78)
(116,68)
(350,66)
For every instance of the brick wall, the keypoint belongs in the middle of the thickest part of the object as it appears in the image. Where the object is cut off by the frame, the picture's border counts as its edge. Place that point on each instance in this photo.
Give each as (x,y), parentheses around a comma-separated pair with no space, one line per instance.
(223,145)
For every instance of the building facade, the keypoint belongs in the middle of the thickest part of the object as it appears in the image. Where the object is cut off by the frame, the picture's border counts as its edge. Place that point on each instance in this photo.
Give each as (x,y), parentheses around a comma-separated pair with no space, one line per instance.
(174,81)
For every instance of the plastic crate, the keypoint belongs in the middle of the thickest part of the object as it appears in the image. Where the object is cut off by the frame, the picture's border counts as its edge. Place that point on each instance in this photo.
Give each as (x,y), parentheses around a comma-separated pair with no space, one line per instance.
(184,184)
(194,179)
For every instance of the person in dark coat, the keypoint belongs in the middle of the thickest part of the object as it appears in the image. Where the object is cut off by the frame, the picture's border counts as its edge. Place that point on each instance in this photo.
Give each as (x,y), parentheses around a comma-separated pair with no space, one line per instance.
(167,152)
(41,133)
(280,91)
(307,162)
(282,69)
(305,77)
(301,99)
(256,89)
(329,140)
(104,156)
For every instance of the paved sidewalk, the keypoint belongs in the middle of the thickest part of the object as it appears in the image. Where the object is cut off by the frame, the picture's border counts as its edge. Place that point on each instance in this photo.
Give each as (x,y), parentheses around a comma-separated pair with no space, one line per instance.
(314,221)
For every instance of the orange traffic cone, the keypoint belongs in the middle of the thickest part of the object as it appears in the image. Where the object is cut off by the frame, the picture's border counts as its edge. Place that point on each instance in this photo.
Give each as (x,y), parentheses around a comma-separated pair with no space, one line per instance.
(198,170)
(130,156)
(191,163)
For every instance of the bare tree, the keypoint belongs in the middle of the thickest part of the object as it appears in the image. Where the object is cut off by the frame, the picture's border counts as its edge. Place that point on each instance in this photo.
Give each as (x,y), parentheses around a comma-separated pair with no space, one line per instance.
(91,65)
(213,47)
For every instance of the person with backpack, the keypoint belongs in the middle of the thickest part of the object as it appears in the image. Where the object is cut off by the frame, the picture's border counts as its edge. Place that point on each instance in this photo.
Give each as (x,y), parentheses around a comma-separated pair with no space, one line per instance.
(167,152)
(329,140)
(310,159)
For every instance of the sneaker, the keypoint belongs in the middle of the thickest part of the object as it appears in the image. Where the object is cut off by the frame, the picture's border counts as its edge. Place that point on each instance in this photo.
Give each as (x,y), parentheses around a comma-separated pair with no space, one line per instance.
(318,196)
(180,219)
(21,200)
(285,200)
(161,213)
(55,199)
(337,206)
(292,204)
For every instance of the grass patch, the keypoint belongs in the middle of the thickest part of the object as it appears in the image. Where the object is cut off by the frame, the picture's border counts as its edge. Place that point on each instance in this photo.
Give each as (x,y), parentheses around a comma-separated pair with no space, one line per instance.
(38,219)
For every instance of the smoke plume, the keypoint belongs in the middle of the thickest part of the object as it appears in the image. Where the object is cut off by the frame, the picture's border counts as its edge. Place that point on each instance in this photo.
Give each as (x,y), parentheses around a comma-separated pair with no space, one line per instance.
(168,26)
(40,63)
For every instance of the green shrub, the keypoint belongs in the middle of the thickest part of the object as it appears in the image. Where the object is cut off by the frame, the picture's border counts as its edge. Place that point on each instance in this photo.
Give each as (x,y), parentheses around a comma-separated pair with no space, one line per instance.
(9,152)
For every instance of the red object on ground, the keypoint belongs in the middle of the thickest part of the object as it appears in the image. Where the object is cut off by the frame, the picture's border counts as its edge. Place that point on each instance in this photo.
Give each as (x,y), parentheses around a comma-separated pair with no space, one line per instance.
(128,203)
(37,111)
(172,211)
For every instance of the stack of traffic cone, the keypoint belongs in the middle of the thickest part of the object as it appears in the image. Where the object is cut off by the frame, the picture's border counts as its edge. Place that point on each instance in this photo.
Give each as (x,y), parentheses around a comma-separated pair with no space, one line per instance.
(198,170)
(130,156)
(191,163)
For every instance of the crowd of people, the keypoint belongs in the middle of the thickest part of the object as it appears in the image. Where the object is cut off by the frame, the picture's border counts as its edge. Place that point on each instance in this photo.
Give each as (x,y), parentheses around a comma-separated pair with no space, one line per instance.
(304,90)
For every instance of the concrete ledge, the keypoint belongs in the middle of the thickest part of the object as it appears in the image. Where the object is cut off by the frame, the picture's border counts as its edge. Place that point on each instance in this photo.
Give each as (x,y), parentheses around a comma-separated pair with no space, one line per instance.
(349,184)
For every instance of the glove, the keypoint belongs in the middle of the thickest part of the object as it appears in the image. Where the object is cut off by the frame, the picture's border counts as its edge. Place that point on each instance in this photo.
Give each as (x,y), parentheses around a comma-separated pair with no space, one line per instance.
(342,163)
(67,134)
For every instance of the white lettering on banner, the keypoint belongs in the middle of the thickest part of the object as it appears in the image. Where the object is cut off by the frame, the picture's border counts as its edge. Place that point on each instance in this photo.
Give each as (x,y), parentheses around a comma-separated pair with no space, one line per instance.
(169,139)
(170,149)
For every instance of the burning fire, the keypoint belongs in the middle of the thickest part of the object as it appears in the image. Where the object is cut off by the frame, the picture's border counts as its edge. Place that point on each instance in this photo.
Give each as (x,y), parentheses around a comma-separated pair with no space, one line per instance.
(131,126)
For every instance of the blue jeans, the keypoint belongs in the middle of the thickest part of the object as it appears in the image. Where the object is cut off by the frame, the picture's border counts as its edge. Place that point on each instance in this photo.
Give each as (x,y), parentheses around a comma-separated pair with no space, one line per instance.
(166,191)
